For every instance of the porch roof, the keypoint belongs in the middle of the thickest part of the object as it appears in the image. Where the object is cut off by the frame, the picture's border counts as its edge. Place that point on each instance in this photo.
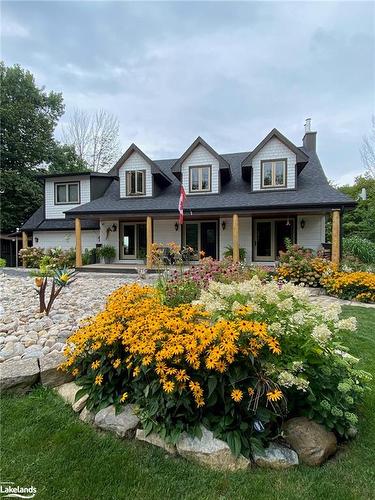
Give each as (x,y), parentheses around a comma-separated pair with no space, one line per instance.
(312,191)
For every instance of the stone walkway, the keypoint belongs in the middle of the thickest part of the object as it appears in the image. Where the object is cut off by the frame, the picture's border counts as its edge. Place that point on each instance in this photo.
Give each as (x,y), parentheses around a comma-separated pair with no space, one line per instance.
(24,333)
(318,297)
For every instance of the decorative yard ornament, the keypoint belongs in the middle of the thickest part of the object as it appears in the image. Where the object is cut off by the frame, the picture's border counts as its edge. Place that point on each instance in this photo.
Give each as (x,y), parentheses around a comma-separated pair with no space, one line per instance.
(60,279)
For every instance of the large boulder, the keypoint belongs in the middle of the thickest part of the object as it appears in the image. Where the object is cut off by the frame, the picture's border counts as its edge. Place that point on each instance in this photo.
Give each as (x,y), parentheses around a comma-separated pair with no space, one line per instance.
(155,440)
(50,373)
(276,456)
(123,424)
(68,393)
(18,376)
(313,443)
(210,451)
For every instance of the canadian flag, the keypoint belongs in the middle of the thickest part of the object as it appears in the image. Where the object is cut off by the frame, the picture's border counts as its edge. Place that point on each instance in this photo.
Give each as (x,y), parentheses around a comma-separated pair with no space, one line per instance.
(181,204)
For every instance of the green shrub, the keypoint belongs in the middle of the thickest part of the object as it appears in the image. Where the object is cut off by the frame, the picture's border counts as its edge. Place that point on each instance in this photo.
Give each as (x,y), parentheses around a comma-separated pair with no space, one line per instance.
(89,256)
(229,253)
(362,249)
(3,262)
(31,256)
(108,252)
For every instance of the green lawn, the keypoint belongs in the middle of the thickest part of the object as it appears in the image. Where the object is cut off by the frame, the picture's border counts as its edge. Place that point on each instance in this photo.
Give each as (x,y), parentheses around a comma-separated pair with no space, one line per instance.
(44,444)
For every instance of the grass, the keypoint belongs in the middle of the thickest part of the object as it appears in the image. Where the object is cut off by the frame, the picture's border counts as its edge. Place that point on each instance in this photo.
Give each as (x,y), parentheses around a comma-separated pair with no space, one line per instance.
(44,444)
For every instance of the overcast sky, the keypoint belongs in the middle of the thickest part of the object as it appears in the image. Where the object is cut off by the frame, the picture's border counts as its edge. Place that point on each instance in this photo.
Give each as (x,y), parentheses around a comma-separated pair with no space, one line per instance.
(227,71)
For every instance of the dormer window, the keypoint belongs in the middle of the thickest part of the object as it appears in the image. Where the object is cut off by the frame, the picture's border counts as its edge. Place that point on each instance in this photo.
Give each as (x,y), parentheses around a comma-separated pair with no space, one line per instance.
(136,182)
(273,173)
(66,193)
(200,179)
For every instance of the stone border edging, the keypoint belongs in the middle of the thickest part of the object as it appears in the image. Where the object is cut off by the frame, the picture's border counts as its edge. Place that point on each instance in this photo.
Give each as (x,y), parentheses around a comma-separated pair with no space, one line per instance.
(314,448)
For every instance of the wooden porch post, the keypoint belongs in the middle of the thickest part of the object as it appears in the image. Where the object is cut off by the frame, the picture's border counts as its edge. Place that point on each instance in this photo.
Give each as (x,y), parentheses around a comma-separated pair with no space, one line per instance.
(236,244)
(336,237)
(149,241)
(24,245)
(78,243)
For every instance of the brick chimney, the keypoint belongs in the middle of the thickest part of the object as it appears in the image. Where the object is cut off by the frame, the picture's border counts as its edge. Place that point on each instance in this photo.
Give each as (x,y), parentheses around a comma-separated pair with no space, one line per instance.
(309,139)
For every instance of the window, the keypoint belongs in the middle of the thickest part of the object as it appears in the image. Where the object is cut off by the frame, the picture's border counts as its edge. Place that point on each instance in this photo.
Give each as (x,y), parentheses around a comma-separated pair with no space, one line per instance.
(273,173)
(67,192)
(135,182)
(200,179)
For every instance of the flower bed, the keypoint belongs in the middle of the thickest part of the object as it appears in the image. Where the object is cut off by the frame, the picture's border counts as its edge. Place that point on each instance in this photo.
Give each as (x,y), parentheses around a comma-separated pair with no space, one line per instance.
(238,361)
(301,266)
(358,285)
(182,287)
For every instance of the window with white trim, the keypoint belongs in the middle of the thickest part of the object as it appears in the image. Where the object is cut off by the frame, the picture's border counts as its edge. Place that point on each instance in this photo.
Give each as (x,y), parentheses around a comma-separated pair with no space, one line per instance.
(200,179)
(66,192)
(136,182)
(273,173)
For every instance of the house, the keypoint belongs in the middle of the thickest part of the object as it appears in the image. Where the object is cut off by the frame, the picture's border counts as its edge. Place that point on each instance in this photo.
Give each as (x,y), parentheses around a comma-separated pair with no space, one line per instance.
(251,200)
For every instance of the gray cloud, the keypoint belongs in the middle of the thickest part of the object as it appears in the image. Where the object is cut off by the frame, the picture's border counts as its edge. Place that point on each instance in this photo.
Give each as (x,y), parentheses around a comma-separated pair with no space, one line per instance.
(227,71)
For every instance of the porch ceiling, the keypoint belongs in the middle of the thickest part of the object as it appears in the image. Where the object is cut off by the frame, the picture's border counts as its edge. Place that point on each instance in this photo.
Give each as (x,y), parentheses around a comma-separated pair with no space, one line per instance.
(205,214)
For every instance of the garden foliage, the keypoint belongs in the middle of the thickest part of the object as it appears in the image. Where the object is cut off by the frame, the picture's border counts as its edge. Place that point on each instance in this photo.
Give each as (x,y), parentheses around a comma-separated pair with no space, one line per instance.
(237,361)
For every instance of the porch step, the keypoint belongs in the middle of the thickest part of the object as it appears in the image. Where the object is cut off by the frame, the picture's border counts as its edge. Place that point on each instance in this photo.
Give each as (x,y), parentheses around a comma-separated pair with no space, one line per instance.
(112,269)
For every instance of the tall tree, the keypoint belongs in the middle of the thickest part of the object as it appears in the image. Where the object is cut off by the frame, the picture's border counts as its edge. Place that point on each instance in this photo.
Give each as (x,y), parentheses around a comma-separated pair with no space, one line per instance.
(65,159)
(368,151)
(28,116)
(94,136)
(360,221)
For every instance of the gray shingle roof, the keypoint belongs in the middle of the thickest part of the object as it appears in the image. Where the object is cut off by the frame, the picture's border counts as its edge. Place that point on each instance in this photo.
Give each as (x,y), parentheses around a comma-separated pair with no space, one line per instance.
(313,190)
(37,222)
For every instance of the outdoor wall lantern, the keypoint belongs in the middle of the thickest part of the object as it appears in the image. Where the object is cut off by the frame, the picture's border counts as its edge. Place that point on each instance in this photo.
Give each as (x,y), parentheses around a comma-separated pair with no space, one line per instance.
(36,239)
(223,225)
(176,226)
(303,223)
(114,228)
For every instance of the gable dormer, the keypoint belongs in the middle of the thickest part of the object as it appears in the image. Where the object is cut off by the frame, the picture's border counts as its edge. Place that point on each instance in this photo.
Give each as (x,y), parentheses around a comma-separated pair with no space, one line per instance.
(274,164)
(201,169)
(139,175)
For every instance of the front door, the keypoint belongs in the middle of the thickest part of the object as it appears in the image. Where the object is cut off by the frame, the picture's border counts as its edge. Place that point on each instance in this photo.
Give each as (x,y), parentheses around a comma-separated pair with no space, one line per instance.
(132,241)
(208,239)
(283,229)
(264,240)
(202,237)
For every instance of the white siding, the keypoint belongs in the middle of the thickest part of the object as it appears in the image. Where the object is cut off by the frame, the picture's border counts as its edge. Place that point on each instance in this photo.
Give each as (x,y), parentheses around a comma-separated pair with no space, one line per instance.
(135,162)
(200,156)
(165,232)
(110,237)
(273,150)
(65,239)
(57,211)
(245,234)
(313,234)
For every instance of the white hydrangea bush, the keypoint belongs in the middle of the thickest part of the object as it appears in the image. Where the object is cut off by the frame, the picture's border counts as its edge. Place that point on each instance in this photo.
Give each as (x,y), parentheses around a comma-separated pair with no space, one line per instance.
(317,374)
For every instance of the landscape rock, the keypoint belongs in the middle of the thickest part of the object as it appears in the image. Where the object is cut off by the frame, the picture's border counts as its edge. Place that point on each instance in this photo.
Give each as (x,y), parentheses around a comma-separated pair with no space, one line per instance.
(123,424)
(276,456)
(68,393)
(18,376)
(50,374)
(210,451)
(26,332)
(87,416)
(155,440)
(313,443)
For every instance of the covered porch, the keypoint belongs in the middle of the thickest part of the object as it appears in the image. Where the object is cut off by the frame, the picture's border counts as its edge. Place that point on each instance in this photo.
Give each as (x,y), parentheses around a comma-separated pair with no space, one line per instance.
(256,237)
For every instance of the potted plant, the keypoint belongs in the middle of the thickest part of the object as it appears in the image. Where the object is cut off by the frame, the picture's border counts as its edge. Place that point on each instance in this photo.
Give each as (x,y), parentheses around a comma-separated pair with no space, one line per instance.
(108,253)
(229,252)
